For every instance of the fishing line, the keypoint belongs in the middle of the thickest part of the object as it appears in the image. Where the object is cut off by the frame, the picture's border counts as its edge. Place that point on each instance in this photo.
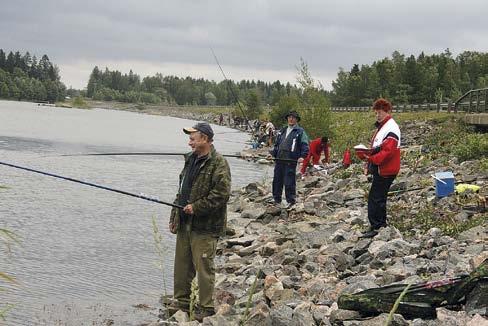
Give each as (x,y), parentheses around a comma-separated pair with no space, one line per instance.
(171,154)
(232,91)
(141,196)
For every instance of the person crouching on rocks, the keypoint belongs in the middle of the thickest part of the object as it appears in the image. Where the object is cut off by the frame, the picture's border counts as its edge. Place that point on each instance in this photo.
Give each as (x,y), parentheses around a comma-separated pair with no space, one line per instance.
(317,146)
(383,163)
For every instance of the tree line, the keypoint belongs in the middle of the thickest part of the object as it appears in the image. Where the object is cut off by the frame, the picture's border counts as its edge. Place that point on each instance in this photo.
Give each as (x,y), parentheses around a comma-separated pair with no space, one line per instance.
(23,77)
(400,78)
(113,85)
(413,80)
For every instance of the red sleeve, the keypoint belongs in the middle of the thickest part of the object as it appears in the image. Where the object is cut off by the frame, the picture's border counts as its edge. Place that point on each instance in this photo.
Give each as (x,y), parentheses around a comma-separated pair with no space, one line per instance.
(386,151)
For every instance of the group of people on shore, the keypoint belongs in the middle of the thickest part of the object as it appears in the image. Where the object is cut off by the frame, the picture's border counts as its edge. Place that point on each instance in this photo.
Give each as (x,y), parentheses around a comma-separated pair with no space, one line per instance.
(205,184)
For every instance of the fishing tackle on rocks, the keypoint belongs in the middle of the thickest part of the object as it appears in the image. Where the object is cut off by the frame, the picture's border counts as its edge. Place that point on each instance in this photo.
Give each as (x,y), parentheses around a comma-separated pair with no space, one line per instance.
(141,196)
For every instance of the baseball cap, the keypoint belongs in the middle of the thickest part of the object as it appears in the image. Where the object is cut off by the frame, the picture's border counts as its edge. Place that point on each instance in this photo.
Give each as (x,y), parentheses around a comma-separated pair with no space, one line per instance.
(203,127)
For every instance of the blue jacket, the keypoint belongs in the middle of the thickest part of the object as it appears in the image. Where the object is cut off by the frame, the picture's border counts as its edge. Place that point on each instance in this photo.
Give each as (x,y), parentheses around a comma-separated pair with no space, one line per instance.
(300,139)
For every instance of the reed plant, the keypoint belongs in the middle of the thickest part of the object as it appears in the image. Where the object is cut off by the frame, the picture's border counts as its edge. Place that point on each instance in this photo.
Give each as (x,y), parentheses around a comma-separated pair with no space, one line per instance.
(162,253)
(252,290)
(396,304)
(194,301)
(7,237)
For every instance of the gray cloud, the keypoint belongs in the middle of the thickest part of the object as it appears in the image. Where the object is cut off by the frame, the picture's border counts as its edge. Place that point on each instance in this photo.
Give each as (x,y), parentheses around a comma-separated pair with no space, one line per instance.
(253,39)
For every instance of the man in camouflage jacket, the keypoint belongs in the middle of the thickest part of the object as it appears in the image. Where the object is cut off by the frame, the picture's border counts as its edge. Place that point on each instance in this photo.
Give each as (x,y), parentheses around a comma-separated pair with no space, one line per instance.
(204,191)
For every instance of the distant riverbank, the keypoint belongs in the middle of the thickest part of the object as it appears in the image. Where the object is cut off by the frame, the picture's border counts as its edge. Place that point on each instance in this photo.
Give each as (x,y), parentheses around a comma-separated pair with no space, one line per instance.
(206,113)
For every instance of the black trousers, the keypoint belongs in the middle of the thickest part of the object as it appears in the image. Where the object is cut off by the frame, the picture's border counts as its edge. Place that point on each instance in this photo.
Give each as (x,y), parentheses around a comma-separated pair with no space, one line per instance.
(377,200)
(284,175)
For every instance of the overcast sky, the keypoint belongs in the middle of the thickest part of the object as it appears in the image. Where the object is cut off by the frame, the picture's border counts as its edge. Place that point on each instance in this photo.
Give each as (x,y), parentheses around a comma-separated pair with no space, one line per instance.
(253,39)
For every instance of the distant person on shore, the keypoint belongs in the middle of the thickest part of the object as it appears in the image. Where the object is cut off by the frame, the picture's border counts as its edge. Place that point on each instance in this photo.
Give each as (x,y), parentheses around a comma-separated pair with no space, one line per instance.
(317,146)
(221,119)
(383,164)
(269,130)
(204,191)
(291,144)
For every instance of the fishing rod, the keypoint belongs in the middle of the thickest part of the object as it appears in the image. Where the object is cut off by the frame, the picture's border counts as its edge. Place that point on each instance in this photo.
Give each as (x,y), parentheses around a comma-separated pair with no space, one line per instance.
(236,98)
(141,196)
(169,154)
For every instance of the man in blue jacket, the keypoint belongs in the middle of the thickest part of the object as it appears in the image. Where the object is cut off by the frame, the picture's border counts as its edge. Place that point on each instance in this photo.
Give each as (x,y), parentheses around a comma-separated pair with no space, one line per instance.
(291,144)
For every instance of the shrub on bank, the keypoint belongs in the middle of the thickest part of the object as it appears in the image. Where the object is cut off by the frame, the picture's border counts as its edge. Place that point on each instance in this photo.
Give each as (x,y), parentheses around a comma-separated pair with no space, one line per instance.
(472,146)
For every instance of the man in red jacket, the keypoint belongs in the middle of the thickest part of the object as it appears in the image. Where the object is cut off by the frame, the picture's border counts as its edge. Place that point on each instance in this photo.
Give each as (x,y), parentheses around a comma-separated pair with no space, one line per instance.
(383,164)
(317,146)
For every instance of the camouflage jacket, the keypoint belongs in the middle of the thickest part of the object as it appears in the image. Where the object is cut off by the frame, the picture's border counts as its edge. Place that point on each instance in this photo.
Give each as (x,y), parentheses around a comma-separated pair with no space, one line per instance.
(209,195)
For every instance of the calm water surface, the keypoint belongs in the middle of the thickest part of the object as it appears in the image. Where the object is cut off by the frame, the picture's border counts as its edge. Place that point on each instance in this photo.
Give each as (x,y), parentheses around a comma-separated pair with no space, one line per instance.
(87,255)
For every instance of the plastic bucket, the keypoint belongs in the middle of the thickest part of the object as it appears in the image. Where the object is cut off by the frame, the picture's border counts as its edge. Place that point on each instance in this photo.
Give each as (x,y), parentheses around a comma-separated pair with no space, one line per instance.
(444,184)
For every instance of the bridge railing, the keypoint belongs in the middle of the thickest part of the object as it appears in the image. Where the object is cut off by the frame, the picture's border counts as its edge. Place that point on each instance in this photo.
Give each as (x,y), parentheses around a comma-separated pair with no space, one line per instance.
(474,101)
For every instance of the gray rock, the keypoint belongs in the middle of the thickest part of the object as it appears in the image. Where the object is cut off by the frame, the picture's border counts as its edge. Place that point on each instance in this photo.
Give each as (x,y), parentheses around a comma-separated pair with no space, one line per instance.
(246,251)
(388,233)
(341,183)
(339,236)
(282,315)
(477,300)
(259,316)
(397,320)
(218,320)
(473,234)
(253,213)
(180,317)
(302,314)
(311,267)
(360,247)
(451,318)
(255,299)
(337,317)
(354,194)
(335,198)
(359,286)
(255,189)
(242,241)
(268,249)
(321,315)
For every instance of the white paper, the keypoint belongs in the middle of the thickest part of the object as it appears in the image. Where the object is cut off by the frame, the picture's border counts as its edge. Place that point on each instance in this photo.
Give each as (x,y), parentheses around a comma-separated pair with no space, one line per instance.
(360,146)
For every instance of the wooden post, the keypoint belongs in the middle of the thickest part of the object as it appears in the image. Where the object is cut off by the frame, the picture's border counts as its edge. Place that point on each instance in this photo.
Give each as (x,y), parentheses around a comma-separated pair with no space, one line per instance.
(486,100)
(449,106)
(470,101)
(477,101)
(405,107)
(411,108)
(438,106)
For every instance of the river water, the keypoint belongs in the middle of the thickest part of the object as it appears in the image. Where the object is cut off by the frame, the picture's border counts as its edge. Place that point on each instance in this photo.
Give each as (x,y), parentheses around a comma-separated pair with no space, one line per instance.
(86,256)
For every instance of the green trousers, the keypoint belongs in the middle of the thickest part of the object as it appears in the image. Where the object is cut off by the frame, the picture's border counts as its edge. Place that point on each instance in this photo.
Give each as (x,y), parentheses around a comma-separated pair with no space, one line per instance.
(194,253)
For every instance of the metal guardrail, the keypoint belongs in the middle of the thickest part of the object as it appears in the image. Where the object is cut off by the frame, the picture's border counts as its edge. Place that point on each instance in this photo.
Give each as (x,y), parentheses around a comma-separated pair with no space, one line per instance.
(477,102)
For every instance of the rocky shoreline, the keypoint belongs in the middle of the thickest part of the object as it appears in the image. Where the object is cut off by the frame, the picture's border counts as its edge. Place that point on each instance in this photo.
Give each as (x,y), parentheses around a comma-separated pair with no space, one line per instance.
(289,267)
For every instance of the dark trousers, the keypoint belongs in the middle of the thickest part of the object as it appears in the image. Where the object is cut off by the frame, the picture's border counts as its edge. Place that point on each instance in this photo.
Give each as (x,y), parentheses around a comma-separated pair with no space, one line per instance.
(377,200)
(284,174)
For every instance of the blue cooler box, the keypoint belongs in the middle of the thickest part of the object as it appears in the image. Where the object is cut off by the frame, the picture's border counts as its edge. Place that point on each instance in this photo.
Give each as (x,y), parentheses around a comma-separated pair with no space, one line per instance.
(444,189)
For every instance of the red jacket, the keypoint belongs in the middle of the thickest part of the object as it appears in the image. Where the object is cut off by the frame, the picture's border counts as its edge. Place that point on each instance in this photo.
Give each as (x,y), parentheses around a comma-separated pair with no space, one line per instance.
(386,148)
(316,148)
